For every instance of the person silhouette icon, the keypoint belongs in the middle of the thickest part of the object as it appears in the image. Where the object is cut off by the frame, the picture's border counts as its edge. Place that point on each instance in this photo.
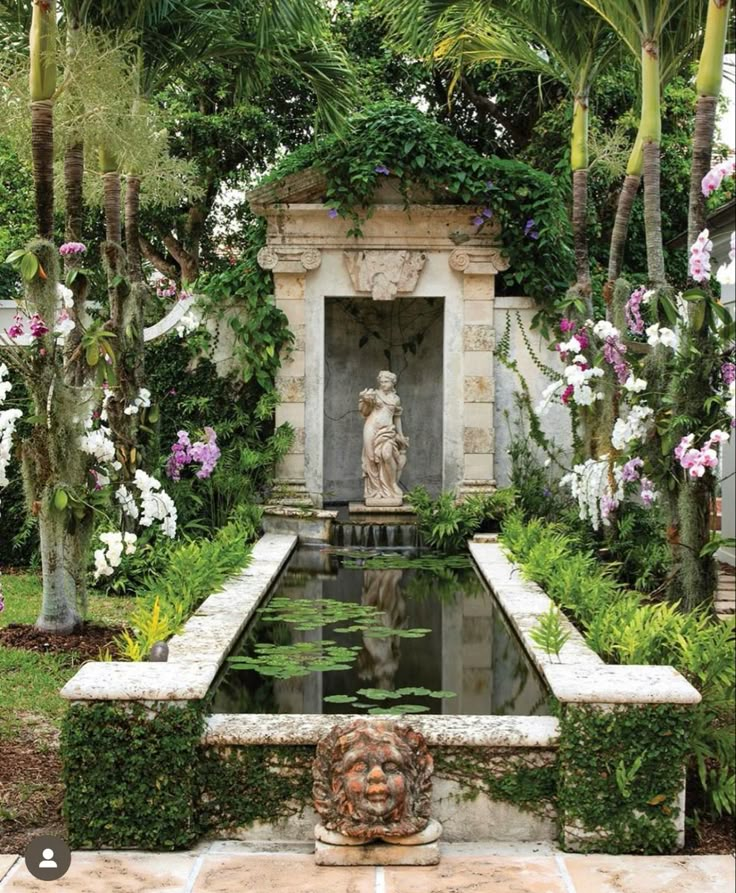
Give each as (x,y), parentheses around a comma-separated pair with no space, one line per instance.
(48,859)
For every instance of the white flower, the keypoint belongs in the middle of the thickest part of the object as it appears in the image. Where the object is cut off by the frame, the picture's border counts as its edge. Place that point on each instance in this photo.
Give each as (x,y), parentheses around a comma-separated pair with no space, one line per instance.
(66,295)
(5,386)
(657,334)
(64,324)
(127,501)
(647,296)
(605,330)
(142,401)
(635,385)
(547,394)
(188,323)
(8,420)
(633,427)
(155,505)
(97,443)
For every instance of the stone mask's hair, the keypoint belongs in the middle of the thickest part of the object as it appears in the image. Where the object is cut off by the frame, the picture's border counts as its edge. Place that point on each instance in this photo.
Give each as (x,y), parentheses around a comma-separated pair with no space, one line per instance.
(389,375)
(330,799)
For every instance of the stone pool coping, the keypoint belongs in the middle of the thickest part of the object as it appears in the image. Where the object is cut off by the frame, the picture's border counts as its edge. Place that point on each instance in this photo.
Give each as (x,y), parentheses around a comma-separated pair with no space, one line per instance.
(197,653)
(577,675)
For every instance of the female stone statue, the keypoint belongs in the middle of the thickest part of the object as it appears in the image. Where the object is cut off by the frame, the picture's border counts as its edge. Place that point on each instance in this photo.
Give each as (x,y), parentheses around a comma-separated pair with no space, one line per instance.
(384,443)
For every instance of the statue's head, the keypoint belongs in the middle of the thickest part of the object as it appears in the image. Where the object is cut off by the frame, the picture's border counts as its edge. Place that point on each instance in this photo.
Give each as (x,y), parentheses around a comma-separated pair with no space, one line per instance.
(386,380)
(373,779)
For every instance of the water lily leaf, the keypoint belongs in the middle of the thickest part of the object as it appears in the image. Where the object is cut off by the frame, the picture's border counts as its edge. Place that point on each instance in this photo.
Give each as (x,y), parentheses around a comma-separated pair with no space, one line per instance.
(378,694)
(339,699)
(399,709)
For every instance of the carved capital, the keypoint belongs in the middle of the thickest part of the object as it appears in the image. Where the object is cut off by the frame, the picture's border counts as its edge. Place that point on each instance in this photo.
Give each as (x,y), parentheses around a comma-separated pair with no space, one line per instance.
(288,259)
(384,273)
(477,261)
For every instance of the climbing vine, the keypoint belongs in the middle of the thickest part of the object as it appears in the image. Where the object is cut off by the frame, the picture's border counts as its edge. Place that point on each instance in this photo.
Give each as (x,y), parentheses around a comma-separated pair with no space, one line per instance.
(430,166)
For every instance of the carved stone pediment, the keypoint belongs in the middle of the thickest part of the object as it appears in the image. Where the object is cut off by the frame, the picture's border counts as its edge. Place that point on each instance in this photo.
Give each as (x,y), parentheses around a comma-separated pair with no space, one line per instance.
(384,273)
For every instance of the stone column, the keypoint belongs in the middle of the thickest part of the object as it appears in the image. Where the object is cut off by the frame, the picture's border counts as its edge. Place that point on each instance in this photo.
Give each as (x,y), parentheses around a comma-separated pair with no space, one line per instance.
(478,267)
(290,266)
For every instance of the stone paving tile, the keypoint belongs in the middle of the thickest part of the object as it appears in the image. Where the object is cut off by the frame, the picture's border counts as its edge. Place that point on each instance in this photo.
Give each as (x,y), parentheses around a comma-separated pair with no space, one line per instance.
(111,873)
(6,863)
(493,874)
(279,874)
(651,874)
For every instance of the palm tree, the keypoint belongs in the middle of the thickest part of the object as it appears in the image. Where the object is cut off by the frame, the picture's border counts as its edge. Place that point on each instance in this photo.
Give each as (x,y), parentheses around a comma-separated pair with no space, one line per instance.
(708,87)
(561,41)
(677,46)
(641,25)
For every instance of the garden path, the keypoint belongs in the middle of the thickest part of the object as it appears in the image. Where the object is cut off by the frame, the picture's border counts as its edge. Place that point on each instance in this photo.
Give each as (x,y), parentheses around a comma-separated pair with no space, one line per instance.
(234,867)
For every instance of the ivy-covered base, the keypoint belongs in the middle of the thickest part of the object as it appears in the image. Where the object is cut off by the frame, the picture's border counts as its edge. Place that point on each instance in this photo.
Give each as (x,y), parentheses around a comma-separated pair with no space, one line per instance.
(131,775)
(242,785)
(526,778)
(621,776)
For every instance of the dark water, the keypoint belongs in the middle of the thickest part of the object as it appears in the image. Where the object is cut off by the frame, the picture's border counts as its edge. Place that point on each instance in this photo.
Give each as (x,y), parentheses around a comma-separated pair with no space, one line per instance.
(469,649)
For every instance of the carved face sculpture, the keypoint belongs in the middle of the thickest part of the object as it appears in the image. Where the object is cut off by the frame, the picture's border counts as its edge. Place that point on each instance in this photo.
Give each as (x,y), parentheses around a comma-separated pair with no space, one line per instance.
(386,381)
(373,779)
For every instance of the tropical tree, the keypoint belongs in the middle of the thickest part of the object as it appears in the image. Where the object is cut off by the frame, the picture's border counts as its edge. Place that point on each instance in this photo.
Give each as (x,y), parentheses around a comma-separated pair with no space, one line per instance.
(679,41)
(560,41)
(641,25)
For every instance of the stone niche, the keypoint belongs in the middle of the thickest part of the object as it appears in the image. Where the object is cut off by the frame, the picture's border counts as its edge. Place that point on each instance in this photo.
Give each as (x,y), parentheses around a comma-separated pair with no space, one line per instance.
(427,260)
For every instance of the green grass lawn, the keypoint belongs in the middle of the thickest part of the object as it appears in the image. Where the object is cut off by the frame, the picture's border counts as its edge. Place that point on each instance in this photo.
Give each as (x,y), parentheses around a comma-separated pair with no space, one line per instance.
(31,681)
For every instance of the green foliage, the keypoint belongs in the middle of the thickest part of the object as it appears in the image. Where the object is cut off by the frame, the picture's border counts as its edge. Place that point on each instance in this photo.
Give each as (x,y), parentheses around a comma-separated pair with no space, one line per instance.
(431,165)
(17,220)
(446,525)
(549,633)
(242,298)
(242,785)
(131,778)
(530,784)
(193,571)
(624,628)
(611,786)
(286,660)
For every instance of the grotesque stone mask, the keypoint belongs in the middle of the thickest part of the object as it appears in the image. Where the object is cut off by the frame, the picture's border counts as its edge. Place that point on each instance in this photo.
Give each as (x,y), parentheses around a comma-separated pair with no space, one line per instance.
(373,780)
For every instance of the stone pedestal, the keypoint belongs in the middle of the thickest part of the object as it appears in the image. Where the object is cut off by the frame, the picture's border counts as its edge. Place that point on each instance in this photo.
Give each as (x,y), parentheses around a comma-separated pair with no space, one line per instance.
(377,854)
(422,848)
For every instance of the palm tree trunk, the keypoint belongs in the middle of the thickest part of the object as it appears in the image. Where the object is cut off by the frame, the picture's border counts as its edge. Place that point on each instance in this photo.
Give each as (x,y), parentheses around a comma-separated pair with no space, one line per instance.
(579,164)
(580,231)
(708,87)
(651,130)
(132,235)
(42,86)
(626,198)
(73,178)
(111,200)
(42,149)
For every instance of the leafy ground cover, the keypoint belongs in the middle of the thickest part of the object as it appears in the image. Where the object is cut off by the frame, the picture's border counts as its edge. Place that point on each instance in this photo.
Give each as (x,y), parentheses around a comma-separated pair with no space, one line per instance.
(31,708)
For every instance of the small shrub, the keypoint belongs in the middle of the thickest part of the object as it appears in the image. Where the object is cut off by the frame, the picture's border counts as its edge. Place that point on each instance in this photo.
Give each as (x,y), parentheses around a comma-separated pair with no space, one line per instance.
(446,525)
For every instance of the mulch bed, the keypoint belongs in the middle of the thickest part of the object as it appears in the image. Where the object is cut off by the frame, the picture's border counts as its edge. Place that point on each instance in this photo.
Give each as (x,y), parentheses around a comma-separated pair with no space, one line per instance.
(31,791)
(87,644)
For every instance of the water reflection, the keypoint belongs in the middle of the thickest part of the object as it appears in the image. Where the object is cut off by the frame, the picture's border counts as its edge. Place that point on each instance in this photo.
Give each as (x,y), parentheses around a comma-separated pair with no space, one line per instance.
(469,648)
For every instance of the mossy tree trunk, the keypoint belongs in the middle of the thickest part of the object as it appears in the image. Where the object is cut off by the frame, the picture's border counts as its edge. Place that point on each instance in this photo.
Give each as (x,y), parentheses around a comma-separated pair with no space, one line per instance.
(54,468)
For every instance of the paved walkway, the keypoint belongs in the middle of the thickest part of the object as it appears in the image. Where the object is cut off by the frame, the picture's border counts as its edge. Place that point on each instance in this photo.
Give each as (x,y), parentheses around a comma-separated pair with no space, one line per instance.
(726,595)
(232,867)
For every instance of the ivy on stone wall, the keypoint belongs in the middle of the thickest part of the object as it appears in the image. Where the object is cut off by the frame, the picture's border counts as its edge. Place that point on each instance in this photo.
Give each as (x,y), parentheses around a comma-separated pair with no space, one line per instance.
(131,775)
(394,139)
(621,774)
(527,778)
(242,785)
